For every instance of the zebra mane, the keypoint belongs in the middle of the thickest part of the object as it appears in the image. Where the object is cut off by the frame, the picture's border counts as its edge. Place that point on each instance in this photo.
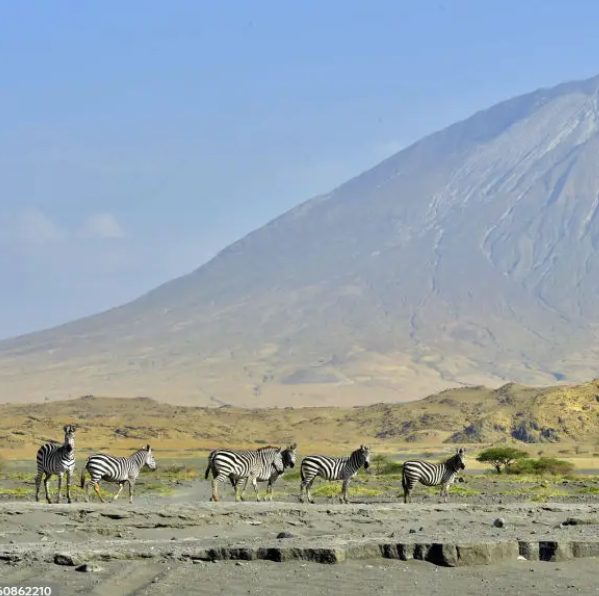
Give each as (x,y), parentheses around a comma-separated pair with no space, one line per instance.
(138,451)
(454,461)
(360,449)
(268,448)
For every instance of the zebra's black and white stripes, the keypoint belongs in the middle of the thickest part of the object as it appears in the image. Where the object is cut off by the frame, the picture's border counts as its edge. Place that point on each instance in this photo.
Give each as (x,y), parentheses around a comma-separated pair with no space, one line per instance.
(332,468)
(59,459)
(289,455)
(248,464)
(116,469)
(431,474)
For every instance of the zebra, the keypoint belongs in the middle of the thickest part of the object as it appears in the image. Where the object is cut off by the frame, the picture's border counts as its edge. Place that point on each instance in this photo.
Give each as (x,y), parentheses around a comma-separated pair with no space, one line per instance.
(289,456)
(116,469)
(431,474)
(247,464)
(54,458)
(332,468)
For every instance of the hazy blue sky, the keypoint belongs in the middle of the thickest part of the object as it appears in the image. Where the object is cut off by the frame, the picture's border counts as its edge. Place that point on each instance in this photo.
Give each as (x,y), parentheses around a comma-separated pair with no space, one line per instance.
(137,139)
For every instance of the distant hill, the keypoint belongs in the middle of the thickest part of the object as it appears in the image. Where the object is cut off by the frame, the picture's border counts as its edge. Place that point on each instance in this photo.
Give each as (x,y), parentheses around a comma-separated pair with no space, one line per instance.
(538,417)
(468,258)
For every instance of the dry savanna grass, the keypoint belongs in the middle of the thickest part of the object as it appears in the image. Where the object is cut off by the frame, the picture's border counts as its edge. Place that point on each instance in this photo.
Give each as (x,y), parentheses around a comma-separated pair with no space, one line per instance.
(558,422)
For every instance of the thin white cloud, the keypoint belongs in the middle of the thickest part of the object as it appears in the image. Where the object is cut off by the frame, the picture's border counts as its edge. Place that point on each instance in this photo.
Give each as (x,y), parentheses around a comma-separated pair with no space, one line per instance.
(103,225)
(34,227)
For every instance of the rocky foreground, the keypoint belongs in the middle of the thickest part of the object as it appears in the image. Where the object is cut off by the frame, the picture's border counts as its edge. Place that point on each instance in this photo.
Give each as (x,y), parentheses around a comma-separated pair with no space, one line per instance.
(161,544)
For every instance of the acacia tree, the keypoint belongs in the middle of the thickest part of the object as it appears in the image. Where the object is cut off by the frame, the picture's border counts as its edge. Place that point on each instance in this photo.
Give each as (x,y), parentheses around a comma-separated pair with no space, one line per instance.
(501,456)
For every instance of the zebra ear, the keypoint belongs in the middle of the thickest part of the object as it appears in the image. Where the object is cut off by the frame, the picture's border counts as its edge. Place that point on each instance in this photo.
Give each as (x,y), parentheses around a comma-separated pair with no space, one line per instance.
(148,447)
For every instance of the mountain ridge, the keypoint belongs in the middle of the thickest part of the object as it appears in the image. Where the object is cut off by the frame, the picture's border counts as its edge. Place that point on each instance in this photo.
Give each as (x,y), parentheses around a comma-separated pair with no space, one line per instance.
(449,263)
(555,419)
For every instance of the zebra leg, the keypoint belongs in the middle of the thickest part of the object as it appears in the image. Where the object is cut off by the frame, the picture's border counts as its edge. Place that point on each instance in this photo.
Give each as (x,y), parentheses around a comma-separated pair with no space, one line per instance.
(301,495)
(233,483)
(86,497)
(214,496)
(69,475)
(269,491)
(59,486)
(46,478)
(97,489)
(121,484)
(444,494)
(245,484)
(255,485)
(344,489)
(38,482)
(131,491)
(309,491)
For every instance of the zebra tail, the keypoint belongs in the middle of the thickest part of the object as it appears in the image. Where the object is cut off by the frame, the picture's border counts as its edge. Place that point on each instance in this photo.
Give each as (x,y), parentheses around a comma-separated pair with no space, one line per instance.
(404,484)
(208,468)
(82,476)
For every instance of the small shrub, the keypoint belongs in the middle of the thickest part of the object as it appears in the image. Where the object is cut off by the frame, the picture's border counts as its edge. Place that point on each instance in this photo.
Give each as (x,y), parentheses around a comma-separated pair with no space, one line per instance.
(294,475)
(383,465)
(456,489)
(332,489)
(588,490)
(393,468)
(500,457)
(542,466)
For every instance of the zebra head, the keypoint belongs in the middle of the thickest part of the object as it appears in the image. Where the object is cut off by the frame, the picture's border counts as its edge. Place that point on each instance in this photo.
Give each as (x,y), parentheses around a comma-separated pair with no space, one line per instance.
(69,436)
(278,463)
(289,456)
(363,455)
(457,461)
(149,460)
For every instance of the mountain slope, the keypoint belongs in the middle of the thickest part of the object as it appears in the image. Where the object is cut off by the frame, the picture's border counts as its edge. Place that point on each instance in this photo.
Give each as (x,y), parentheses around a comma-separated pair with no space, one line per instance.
(554,419)
(469,257)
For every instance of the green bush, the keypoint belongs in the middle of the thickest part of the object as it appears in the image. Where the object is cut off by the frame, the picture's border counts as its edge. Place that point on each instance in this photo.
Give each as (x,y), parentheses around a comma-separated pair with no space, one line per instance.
(501,456)
(542,466)
(384,465)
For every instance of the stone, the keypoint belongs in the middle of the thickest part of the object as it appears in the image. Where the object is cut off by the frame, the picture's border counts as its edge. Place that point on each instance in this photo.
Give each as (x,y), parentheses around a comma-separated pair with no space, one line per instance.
(67,559)
(115,514)
(86,568)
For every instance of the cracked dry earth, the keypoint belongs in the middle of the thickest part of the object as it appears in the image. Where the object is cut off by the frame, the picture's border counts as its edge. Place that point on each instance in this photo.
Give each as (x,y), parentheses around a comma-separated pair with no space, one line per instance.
(163,545)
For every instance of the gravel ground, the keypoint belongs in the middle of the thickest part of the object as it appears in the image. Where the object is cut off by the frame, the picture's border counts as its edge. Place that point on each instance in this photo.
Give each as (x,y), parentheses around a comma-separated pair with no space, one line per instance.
(31,534)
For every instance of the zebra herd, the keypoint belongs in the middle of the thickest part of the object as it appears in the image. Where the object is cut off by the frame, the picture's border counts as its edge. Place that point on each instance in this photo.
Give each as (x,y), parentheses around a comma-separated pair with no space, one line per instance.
(265,464)
(54,458)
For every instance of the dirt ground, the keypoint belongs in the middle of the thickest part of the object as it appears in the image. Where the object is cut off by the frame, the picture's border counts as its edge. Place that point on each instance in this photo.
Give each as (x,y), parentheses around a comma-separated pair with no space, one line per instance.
(151,534)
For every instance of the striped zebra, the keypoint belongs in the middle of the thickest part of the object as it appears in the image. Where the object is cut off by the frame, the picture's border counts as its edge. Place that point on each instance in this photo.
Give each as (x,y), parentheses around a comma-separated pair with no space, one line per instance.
(431,474)
(289,456)
(243,465)
(332,468)
(116,469)
(54,458)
